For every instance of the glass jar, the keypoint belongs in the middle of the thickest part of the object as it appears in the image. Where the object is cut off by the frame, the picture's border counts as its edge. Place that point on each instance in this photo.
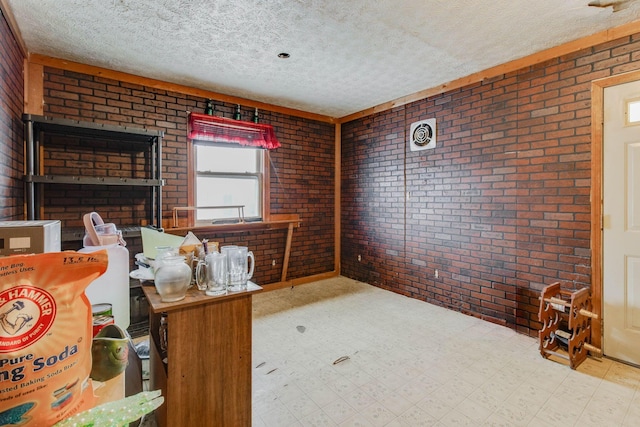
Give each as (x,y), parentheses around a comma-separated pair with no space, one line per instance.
(172,278)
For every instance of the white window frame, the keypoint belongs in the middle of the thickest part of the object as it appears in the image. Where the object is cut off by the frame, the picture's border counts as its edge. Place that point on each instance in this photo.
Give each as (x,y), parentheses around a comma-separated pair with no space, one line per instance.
(259,175)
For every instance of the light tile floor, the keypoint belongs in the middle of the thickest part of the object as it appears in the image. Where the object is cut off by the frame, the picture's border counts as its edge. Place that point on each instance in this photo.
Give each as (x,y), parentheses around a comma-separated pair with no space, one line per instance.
(415,364)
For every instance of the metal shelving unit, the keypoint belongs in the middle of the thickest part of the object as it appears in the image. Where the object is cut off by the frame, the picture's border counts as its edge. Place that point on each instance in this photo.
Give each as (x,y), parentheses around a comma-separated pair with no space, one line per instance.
(36,127)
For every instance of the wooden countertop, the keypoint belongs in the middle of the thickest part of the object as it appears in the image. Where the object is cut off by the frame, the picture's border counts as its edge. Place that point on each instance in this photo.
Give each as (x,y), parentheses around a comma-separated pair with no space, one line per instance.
(192,298)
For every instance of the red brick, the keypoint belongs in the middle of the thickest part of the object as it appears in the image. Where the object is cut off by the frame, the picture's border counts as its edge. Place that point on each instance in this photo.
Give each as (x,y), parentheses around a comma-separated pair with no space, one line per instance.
(464,214)
(308,152)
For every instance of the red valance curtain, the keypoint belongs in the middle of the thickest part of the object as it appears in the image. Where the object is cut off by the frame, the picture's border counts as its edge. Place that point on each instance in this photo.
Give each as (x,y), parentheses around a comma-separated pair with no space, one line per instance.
(219,129)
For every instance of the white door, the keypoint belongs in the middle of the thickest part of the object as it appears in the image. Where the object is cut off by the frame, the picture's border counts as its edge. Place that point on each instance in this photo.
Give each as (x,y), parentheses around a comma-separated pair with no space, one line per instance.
(621,222)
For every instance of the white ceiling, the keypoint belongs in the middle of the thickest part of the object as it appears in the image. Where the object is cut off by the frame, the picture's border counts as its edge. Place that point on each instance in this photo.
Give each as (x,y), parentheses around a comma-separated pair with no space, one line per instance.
(346,55)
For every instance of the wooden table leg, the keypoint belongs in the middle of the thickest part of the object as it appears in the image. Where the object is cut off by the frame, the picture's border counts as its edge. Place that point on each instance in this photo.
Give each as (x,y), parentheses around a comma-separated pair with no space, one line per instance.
(287,252)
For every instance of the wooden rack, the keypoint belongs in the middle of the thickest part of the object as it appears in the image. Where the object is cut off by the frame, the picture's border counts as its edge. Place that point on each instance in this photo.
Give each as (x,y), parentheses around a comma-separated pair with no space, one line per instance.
(566,320)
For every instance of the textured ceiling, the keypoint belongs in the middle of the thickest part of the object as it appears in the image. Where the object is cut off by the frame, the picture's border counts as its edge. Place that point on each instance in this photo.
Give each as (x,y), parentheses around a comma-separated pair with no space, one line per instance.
(346,56)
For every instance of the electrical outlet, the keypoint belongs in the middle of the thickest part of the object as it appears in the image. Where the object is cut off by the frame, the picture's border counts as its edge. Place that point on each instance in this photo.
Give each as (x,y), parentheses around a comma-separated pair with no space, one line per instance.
(273,262)
(359,258)
(435,274)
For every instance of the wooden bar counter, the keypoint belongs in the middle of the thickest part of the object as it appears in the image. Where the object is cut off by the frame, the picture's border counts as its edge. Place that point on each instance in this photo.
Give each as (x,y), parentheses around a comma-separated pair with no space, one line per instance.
(207,378)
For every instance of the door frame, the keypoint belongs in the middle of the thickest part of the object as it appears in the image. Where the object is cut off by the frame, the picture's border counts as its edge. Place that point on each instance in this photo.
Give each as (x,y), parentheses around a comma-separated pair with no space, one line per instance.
(597,142)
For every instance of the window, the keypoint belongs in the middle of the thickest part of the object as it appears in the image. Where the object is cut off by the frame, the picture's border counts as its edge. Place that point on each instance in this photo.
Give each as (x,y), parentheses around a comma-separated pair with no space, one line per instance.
(228,175)
(633,111)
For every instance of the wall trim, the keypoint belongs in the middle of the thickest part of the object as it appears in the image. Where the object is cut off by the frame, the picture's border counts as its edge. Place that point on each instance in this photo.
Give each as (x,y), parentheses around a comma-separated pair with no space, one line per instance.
(13,26)
(507,67)
(299,281)
(91,70)
(337,197)
(33,88)
(517,64)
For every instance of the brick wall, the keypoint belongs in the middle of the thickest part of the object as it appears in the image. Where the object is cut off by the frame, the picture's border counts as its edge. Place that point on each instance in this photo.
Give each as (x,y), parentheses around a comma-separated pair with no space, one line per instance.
(302,181)
(11,106)
(500,208)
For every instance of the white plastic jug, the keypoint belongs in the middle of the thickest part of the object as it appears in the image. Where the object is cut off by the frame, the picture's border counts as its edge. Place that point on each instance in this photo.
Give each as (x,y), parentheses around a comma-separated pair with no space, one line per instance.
(113,286)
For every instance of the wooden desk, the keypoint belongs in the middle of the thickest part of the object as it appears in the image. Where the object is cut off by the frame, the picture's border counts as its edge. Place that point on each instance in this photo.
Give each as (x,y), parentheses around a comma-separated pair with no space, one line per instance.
(207,377)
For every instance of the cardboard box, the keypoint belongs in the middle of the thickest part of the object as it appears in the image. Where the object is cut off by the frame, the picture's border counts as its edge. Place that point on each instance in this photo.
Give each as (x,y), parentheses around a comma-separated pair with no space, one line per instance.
(29,237)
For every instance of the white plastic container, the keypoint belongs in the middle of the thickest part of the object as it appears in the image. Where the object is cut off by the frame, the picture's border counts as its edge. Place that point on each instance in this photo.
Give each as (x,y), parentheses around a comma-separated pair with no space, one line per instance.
(113,286)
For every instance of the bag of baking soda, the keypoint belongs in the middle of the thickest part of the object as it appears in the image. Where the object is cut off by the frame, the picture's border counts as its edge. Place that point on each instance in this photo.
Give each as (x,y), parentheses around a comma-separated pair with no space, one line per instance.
(45,336)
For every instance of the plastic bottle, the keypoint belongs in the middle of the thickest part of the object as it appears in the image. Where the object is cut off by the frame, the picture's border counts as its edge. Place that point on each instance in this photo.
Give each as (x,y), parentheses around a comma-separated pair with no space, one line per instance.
(113,286)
